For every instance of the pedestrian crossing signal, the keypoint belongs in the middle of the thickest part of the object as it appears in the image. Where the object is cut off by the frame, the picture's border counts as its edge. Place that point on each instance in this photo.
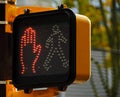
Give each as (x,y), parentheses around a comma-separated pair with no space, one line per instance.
(44,52)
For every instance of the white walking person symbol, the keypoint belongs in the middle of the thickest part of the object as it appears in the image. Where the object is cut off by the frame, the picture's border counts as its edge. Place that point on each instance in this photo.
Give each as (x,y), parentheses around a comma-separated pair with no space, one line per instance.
(55,48)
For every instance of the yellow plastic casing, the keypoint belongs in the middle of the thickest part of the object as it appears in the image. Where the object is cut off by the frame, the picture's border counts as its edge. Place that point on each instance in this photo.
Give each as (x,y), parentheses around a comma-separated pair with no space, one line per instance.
(11,91)
(12,11)
(83,67)
(83,48)
(83,41)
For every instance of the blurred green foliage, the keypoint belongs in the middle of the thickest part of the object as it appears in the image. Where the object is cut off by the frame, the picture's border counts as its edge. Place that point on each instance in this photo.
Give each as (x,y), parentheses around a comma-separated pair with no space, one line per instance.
(105,34)
(102,29)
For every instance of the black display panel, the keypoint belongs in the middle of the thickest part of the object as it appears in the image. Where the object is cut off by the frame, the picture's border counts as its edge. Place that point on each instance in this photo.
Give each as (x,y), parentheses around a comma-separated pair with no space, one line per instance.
(44,48)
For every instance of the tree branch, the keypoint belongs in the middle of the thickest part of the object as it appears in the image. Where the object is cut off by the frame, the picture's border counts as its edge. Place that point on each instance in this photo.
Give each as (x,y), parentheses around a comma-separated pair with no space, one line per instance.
(105,23)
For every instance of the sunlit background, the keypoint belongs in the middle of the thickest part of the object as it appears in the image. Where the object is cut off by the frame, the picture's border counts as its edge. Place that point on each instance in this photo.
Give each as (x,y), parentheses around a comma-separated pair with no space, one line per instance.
(43,3)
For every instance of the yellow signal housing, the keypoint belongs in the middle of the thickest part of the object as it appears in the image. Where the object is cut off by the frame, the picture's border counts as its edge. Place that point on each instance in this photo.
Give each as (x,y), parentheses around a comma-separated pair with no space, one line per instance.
(11,91)
(12,11)
(83,50)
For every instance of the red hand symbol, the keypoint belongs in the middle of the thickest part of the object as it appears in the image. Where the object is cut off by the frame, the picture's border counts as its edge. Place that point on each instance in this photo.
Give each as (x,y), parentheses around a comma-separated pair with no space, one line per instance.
(29,37)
